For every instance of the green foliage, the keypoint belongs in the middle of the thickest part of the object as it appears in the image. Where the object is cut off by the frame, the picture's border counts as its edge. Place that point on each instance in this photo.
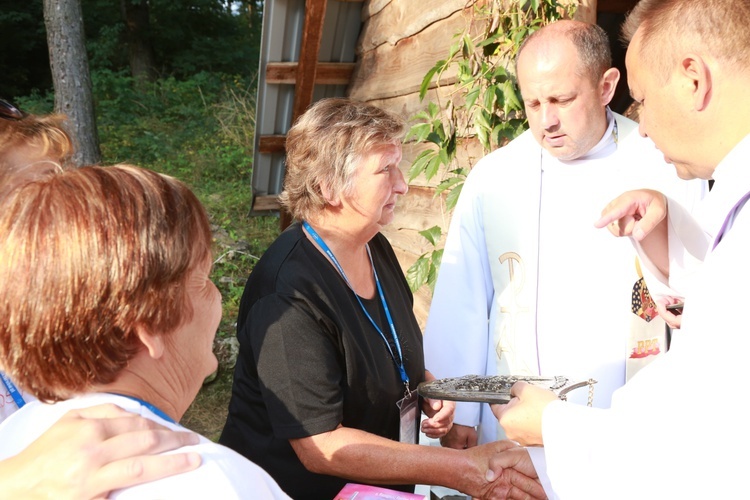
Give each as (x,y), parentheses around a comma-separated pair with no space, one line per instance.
(188,37)
(486,102)
(426,267)
(198,130)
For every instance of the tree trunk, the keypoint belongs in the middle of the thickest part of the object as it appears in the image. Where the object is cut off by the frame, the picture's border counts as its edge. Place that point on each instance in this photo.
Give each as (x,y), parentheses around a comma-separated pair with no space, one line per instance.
(138,36)
(70,76)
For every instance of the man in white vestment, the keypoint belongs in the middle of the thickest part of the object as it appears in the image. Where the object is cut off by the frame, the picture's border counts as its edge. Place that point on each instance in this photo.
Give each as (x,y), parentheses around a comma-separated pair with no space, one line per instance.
(678,428)
(527,284)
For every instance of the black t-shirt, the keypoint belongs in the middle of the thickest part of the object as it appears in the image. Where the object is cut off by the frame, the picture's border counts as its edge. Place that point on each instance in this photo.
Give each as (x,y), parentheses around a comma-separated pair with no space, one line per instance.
(311,360)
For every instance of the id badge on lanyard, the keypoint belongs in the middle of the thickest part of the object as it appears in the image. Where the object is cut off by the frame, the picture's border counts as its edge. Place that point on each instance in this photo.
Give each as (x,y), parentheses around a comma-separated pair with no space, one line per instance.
(409,404)
(410,416)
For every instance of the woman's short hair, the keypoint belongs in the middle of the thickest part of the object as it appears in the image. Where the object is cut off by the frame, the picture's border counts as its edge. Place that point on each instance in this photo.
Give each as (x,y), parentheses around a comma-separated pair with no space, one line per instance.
(31,146)
(88,256)
(324,147)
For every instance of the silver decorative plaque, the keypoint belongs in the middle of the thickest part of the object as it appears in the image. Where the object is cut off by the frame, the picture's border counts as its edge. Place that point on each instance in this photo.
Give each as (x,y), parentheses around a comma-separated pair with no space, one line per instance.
(493,389)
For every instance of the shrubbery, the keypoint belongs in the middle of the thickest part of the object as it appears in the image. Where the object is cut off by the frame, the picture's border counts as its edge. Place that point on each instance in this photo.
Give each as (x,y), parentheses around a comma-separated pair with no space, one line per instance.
(200,130)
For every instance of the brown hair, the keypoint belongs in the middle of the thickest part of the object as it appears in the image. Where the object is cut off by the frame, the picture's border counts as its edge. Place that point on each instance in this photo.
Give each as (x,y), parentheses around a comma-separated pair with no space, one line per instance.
(30,147)
(324,147)
(88,255)
(718,26)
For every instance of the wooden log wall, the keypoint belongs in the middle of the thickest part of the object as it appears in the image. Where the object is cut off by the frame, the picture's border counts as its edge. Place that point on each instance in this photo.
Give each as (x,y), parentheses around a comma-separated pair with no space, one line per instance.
(400,41)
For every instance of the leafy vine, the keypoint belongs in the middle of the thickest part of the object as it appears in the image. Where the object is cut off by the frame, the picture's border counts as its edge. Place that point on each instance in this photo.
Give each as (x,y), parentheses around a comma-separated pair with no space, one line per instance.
(485,103)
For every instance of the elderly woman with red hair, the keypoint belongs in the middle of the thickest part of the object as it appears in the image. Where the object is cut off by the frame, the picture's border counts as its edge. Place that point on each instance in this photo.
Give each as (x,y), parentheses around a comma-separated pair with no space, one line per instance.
(91,451)
(106,298)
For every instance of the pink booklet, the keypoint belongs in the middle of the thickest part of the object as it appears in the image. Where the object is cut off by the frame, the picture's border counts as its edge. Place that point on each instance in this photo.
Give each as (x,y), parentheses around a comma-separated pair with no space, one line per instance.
(354,491)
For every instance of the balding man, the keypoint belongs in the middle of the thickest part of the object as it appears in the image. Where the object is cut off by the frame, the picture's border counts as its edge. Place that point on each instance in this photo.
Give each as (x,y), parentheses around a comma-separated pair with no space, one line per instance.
(528,285)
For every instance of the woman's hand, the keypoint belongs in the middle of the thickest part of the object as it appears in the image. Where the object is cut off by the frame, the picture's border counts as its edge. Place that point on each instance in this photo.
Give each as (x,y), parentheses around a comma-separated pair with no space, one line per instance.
(440,417)
(439,413)
(92,451)
(460,437)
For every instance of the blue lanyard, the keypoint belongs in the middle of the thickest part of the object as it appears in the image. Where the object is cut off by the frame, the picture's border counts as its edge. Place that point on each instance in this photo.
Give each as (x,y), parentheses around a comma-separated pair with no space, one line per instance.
(13,391)
(400,361)
(151,407)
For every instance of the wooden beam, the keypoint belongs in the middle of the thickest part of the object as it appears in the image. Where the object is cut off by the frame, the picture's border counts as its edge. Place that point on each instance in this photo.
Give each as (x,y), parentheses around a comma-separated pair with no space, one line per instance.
(266,202)
(312,33)
(586,11)
(315,12)
(272,144)
(326,73)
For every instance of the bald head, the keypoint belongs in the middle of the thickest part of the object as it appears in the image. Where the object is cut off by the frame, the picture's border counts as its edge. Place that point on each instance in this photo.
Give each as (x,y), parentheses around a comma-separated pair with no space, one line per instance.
(566,83)
(588,41)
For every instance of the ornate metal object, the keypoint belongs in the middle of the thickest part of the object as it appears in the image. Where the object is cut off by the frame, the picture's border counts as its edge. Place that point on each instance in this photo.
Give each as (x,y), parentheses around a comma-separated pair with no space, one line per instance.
(495,389)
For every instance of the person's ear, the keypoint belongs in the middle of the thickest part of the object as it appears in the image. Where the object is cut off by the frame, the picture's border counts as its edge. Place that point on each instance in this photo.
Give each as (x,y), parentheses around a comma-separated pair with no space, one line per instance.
(154,344)
(328,195)
(699,79)
(608,85)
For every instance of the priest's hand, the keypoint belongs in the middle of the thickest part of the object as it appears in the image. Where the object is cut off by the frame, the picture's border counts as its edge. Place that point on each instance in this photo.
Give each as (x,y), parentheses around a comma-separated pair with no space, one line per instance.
(634,213)
(460,437)
(673,317)
(521,418)
(642,215)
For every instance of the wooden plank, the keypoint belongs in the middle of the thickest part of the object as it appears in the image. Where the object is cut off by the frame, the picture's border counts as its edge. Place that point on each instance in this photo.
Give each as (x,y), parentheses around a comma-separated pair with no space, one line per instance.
(312,33)
(418,210)
(266,202)
(397,20)
(315,11)
(271,144)
(586,10)
(396,69)
(325,74)
(469,150)
(372,7)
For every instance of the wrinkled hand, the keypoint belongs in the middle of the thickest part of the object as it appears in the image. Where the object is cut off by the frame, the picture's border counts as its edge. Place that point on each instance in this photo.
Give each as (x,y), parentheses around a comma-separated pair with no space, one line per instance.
(521,418)
(518,459)
(460,437)
(92,451)
(499,481)
(634,213)
(440,417)
(671,317)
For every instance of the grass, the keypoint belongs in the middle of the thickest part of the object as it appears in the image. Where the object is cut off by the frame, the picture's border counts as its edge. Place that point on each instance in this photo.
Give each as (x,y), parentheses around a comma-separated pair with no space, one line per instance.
(207,414)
